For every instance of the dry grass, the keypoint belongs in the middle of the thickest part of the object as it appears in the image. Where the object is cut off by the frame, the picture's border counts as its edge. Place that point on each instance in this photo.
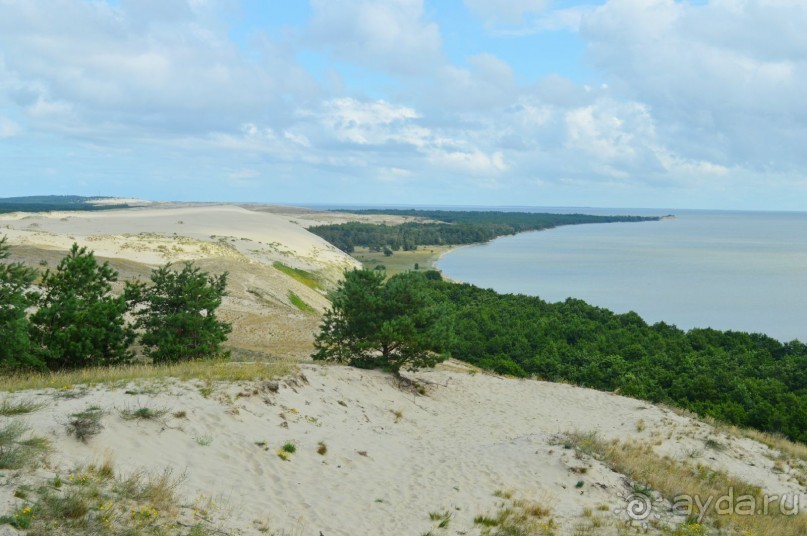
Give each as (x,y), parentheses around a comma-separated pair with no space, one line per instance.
(674,479)
(18,448)
(776,442)
(517,517)
(22,407)
(205,370)
(93,501)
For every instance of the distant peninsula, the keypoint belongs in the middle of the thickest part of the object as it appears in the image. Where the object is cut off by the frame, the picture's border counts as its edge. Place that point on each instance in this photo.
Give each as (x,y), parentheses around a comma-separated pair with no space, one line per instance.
(448,227)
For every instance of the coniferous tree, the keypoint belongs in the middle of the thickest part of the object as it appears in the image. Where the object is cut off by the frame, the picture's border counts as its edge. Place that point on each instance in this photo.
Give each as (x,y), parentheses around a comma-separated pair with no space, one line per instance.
(179,313)
(373,324)
(15,297)
(79,322)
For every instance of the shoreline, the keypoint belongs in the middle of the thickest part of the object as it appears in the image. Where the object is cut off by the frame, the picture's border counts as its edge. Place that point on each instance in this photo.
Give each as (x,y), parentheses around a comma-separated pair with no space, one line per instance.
(424,257)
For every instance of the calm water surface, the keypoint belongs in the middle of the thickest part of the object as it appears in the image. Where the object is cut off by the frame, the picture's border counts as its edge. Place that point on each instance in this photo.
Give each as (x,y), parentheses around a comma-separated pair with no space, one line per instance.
(742,271)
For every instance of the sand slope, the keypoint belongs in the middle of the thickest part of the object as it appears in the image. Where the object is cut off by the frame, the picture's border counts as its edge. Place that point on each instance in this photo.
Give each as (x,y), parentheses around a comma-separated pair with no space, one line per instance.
(245,243)
(383,473)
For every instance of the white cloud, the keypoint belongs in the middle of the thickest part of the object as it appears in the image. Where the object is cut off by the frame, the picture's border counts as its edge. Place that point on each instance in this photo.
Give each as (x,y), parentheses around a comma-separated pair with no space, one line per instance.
(153,68)
(506,10)
(475,162)
(609,131)
(372,123)
(675,99)
(299,139)
(488,82)
(8,128)
(725,80)
(392,174)
(505,18)
(392,36)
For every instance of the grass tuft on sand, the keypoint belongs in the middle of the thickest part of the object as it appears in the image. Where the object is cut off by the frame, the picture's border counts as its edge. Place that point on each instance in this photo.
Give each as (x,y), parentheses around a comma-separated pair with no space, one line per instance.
(215,370)
(93,500)
(677,479)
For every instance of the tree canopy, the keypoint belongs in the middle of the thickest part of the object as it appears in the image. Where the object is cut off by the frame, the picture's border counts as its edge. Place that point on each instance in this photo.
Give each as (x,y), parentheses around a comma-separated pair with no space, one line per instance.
(449,228)
(79,322)
(76,320)
(747,379)
(392,325)
(178,313)
(15,297)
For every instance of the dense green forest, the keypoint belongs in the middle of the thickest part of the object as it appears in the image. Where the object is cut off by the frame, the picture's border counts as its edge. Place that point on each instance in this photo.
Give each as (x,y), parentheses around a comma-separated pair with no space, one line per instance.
(45,203)
(449,228)
(744,379)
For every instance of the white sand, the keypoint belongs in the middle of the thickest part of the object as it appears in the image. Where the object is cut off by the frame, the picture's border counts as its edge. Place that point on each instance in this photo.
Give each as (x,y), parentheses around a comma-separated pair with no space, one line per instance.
(157,235)
(451,450)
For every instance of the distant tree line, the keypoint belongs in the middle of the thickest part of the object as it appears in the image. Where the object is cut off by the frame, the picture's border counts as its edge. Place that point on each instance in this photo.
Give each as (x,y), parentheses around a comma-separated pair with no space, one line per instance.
(449,228)
(46,203)
(747,379)
(71,318)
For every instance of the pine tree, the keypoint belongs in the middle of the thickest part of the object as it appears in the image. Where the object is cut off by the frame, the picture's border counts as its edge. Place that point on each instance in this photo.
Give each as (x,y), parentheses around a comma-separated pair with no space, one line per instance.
(179,314)
(79,322)
(15,297)
(392,325)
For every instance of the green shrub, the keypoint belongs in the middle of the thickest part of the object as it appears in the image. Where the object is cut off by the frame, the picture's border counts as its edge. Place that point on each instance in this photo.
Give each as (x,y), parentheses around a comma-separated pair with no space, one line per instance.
(85,424)
(79,323)
(179,313)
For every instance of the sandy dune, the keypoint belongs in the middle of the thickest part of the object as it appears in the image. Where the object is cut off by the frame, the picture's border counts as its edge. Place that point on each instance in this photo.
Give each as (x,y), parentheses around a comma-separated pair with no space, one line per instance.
(392,457)
(245,243)
(156,235)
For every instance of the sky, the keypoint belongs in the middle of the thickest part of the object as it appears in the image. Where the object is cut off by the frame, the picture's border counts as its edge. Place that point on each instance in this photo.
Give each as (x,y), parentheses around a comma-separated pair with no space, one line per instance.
(611,103)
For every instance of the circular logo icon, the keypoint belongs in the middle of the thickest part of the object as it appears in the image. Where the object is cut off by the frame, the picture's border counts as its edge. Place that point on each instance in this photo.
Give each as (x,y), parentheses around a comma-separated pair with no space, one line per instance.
(639,507)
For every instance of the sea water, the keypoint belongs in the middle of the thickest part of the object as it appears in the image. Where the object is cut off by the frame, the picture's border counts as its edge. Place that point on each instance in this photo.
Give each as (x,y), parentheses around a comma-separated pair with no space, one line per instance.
(742,271)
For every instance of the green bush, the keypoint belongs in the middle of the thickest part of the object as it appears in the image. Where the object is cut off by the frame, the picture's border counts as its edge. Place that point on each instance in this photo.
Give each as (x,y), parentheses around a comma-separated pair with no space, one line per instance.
(178,313)
(15,297)
(392,325)
(79,322)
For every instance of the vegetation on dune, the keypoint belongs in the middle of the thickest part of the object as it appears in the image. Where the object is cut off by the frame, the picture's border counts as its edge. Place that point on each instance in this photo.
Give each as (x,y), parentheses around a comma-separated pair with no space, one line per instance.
(451,228)
(744,379)
(178,314)
(303,276)
(75,321)
(79,322)
(298,302)
(18,448)
(680,482)
(749,380)
(94,500)
(15,297)
(209,370)
(392,325)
